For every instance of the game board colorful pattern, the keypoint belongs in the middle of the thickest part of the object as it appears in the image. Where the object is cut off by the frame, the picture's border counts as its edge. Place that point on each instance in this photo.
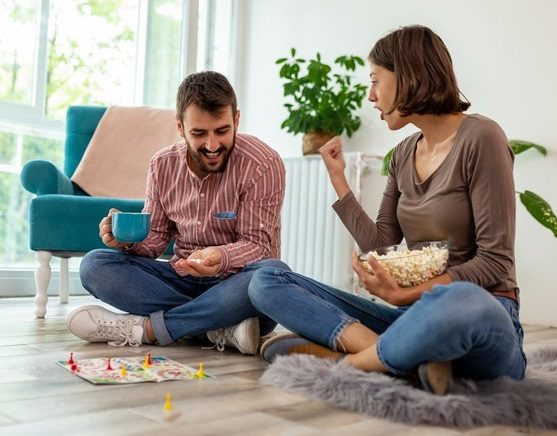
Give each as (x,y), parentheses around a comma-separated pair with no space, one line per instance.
(160,369)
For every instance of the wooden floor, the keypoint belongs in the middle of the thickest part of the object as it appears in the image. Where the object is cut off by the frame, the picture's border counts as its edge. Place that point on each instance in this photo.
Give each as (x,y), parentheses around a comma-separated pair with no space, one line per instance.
(39,397)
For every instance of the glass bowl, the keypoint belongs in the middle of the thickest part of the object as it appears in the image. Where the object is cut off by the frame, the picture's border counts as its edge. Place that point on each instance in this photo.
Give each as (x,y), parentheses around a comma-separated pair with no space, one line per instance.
(413,264)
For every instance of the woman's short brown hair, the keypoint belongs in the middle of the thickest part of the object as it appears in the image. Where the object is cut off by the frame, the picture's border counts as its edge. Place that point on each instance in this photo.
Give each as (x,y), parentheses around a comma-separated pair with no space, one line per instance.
(209,90)
(426,83)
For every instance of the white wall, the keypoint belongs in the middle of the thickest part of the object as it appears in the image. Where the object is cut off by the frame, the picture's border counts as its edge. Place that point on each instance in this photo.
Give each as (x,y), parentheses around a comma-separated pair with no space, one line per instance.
(505,56)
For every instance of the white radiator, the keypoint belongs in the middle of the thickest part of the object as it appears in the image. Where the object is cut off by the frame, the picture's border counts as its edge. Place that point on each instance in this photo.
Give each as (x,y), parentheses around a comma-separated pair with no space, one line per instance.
(314,241)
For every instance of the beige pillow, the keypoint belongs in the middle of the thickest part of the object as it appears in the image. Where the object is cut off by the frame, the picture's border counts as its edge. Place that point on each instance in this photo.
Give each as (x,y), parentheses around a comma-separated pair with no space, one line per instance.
(116,161)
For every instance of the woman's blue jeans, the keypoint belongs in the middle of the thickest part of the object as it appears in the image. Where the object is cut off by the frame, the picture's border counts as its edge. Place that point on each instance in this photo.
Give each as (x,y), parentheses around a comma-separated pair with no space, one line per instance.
(460,322)
(178,306)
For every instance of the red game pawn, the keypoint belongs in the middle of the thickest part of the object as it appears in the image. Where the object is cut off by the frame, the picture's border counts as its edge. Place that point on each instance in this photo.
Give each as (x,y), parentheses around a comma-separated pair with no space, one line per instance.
(71,361)
(108,367)
(74,367)
(149,359)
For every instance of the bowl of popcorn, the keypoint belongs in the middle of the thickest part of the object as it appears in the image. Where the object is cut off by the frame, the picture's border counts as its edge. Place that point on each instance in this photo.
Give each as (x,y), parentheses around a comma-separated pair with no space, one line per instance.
(412,264)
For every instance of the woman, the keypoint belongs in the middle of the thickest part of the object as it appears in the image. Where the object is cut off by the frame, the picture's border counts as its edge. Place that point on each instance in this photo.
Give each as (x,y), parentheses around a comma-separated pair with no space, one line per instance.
(452,181)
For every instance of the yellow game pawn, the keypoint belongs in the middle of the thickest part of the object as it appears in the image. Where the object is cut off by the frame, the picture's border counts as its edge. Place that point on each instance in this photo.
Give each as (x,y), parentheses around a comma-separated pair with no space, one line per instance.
(146,363)
(200,373)
(168,411)
(167,403)
(123,371)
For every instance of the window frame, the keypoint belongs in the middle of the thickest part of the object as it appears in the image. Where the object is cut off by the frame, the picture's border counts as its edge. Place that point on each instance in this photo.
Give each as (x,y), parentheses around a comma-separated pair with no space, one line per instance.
(31,115)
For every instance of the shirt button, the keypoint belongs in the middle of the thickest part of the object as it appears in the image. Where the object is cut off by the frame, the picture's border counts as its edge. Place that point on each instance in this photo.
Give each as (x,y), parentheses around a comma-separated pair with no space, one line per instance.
(261,226)
(202,194)
(198,223)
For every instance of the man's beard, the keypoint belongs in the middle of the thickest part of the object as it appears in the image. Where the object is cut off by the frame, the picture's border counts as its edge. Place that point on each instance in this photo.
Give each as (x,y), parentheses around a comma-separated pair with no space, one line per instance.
(202,166)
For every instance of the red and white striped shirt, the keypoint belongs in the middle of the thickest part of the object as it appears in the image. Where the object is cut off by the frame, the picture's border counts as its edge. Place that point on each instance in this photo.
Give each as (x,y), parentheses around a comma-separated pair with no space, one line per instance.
(237,210)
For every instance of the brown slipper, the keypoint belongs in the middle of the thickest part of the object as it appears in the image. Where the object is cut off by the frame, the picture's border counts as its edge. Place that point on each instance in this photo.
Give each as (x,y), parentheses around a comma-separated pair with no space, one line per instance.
(436,377)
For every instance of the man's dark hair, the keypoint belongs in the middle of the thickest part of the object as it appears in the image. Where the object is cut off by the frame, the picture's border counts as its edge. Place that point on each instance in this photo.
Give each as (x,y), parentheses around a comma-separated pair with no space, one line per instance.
(425,79)
(209,90)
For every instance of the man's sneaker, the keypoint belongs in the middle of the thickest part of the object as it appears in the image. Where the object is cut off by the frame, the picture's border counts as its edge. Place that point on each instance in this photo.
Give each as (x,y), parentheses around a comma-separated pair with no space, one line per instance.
(284,344)
(243,336)
(436,377)
(97,324)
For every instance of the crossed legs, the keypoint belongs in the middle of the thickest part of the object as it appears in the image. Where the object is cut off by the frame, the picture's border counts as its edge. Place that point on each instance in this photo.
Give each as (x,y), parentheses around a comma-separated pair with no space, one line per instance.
(460,322)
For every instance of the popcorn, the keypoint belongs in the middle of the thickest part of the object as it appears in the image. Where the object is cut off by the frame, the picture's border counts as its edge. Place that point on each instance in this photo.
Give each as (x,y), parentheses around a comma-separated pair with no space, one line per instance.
(410,267)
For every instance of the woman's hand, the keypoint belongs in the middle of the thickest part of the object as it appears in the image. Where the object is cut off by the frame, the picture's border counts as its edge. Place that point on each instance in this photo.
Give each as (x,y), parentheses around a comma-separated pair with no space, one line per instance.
(379,283)
(332,155)
(333,158)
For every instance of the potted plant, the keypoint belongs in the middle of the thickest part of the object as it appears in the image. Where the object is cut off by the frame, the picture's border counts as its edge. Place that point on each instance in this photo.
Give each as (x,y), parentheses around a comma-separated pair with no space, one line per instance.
(321,103)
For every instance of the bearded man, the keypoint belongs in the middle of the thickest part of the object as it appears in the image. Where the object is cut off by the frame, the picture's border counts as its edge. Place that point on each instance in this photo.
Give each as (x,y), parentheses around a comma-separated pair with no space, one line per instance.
(218,196)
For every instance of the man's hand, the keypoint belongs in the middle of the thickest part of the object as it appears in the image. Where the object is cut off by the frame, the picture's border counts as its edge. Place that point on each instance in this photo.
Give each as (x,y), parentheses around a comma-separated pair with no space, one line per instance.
(105,231)
(201,263)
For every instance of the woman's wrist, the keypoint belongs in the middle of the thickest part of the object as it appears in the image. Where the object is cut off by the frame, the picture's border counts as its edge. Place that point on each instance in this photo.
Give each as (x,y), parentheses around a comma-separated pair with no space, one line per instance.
(340,185)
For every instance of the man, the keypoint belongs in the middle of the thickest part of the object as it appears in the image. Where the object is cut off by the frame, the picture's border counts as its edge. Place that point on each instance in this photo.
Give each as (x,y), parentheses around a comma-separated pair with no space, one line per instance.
(218,195)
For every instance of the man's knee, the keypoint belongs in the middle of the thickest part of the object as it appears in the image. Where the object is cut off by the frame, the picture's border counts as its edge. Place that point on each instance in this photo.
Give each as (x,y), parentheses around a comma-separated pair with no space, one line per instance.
(260,289)
(272,263)
(92,263)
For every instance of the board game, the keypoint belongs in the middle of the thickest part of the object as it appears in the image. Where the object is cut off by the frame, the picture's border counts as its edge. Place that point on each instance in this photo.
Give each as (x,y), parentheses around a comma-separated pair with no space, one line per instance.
(134,369)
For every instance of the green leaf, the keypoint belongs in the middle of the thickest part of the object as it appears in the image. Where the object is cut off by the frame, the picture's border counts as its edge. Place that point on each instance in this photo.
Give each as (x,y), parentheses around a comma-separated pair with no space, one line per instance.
(386,162)
(293,52)
(320,98)
(281,60)
(540,210)
(518,146)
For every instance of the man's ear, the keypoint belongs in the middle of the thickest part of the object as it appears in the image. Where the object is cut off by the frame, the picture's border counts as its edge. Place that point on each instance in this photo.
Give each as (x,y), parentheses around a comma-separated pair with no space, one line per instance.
(180,127)
(237,119)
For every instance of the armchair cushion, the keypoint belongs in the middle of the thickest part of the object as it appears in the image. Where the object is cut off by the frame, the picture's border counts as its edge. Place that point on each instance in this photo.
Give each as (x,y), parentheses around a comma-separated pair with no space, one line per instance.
(70,223)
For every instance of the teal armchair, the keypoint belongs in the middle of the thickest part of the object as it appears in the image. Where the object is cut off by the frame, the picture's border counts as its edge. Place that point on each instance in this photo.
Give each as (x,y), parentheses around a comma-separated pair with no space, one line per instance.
(64,220)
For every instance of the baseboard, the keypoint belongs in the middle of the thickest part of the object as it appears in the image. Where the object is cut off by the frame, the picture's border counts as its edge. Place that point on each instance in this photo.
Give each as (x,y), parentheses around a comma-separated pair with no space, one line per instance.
(21,283)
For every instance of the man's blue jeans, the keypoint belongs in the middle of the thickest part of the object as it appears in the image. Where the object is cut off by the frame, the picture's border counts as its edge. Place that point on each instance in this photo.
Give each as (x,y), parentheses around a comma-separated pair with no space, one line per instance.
(460,322)
(178,306)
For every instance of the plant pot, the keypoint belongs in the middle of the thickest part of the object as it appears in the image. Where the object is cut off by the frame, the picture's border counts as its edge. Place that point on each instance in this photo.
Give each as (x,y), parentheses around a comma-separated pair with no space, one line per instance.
(312,141)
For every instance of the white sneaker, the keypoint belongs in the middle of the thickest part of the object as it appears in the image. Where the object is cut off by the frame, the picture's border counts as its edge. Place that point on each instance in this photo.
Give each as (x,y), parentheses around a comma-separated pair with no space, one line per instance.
(97,324)
(243,336)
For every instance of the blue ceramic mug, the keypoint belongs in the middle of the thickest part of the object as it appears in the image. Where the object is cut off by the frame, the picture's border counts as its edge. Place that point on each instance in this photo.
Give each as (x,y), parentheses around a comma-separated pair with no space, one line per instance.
(131,227)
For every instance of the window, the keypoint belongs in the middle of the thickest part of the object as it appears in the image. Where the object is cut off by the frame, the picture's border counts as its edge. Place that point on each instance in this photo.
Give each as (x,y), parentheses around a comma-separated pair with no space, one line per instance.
(54,54)
(18,50)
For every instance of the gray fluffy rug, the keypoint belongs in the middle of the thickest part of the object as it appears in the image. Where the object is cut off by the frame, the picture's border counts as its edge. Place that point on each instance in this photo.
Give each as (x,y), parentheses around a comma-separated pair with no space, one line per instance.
(531,402)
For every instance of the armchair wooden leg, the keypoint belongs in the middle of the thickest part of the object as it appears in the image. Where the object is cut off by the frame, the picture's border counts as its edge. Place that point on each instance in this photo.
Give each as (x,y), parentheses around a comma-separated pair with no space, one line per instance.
(64,280)
(42,279)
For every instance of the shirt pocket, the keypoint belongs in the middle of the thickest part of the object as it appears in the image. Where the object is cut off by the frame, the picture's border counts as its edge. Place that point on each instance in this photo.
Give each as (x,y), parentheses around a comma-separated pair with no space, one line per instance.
(224,223)
(226,215)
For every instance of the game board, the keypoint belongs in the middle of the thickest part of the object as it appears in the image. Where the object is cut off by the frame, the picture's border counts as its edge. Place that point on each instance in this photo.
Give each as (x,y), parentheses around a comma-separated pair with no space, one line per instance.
(109,371)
